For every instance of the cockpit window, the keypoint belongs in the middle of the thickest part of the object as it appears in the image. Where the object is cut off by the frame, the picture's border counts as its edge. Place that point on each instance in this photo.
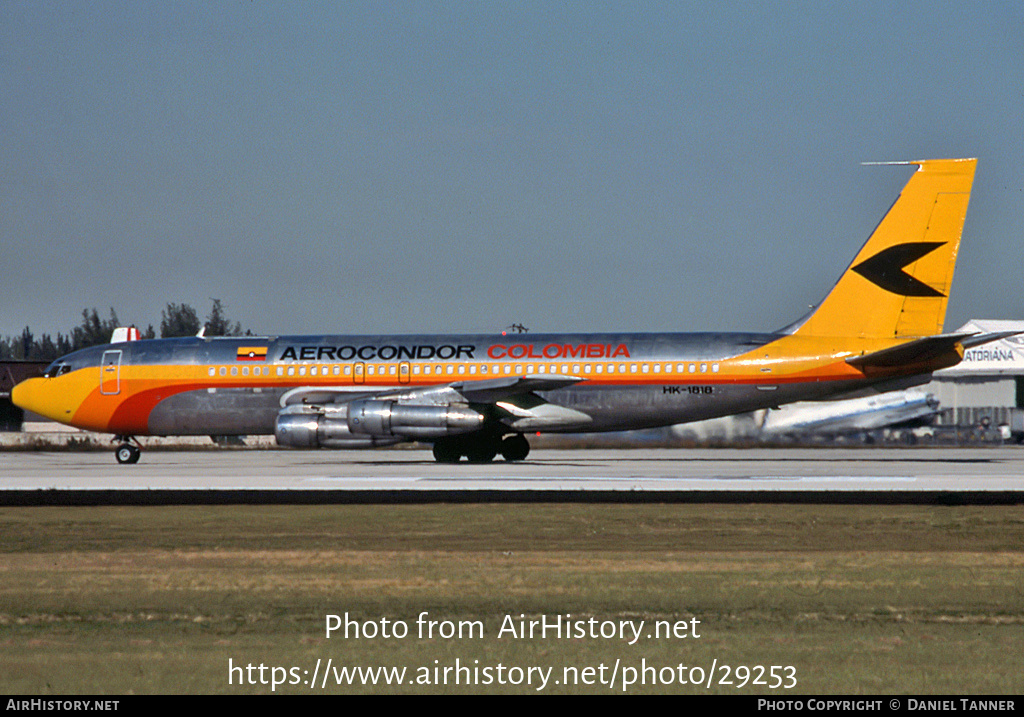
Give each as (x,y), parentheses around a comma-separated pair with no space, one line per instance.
(57,368)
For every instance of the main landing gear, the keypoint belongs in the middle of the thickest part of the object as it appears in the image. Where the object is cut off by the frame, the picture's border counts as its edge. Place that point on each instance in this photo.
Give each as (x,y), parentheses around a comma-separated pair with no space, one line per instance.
(481,448)
(127,452)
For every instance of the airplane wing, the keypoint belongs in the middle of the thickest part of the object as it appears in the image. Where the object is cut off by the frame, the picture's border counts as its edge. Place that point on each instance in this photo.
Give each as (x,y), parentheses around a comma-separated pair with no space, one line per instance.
(496,389)
(513,398)
(489,390)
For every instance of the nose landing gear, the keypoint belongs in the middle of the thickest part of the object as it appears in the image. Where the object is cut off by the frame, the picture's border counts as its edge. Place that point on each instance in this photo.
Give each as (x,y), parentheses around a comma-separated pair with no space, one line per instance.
(127,452)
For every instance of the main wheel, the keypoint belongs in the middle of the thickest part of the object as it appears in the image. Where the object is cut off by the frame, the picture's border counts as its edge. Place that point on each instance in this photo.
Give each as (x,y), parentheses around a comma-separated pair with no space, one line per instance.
(446,452)
(515,448)
(127,453)
(482,452)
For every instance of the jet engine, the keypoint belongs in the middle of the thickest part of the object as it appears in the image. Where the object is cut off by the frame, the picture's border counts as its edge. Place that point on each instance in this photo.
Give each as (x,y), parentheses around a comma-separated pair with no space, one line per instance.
(377,417)
(308,428)
(366,423)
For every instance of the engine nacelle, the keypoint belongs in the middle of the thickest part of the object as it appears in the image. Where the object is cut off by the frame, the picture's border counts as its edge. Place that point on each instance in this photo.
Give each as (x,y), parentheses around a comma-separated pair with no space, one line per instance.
(375,417)
(307,429)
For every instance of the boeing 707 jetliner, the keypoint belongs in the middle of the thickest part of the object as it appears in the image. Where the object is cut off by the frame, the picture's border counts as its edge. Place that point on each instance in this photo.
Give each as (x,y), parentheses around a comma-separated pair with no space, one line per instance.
(474,396)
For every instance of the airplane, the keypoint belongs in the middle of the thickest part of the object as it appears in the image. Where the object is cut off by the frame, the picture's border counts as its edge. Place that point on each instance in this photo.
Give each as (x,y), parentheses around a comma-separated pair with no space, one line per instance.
(879,329)
(853,415)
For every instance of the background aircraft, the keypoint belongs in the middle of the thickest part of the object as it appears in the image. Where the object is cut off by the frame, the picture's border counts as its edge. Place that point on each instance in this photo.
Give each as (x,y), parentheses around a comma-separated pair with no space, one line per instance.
(854,415)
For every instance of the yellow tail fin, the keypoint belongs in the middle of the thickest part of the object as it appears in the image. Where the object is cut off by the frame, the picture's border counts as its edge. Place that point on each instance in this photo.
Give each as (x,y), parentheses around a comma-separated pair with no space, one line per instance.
(898,285)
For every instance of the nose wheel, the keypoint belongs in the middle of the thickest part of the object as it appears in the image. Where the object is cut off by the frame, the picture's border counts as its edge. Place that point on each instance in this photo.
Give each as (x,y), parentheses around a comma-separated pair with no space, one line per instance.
(127,453)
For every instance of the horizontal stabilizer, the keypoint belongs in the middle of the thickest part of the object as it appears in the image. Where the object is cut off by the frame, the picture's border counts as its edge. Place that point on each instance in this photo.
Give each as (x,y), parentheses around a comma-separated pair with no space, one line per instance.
(941,350)
(927,354)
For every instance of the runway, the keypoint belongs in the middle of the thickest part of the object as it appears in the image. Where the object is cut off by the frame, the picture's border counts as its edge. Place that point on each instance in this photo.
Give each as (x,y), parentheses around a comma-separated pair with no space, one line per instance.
(823,475)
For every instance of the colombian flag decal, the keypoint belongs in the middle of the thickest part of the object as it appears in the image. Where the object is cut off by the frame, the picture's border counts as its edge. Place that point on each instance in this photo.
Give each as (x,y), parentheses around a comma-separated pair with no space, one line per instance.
(252,353)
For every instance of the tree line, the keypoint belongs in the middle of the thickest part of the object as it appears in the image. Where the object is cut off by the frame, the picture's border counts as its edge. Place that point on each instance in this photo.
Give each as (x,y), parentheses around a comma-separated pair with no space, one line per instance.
(175,320)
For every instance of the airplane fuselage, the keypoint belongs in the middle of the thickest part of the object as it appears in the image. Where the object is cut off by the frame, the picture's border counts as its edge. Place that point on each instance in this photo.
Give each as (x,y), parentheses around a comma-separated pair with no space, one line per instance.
(226,386)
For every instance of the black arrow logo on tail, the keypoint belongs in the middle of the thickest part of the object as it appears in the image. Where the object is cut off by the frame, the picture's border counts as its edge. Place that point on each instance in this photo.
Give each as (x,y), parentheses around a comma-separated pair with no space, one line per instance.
(886,268)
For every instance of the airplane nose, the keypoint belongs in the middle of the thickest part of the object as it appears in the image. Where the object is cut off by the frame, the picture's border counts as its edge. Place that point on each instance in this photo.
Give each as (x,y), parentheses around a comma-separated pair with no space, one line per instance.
(29,395)
(61,399)
(20,395)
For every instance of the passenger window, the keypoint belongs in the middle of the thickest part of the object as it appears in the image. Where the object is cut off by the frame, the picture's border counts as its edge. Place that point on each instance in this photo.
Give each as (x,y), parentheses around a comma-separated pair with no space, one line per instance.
(213,371)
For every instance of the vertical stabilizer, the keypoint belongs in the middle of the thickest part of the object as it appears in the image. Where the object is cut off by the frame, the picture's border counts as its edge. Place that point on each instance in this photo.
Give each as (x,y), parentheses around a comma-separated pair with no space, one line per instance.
(898,285)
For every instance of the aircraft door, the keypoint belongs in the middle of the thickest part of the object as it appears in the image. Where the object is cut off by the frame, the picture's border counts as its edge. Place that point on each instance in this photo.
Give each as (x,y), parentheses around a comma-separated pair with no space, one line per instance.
(403,372)
(359,373)
(110,373)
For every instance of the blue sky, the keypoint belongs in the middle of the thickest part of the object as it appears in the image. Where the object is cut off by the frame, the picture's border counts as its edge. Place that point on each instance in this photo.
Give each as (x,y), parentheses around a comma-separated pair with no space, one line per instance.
(396,167)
